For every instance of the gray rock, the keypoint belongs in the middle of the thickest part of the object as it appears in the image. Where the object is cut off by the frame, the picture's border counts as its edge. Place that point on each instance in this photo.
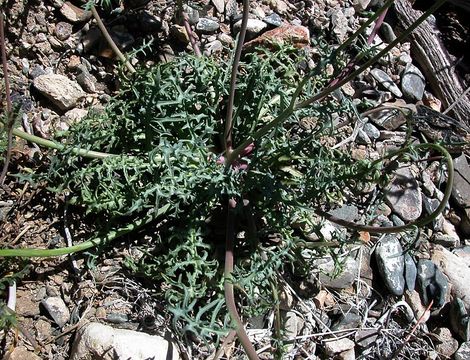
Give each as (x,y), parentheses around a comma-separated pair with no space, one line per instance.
(447,344)
(213,47)
(231,9)
(387,32)
(463,353)
(391,264)
(254,27)
(432,284)
(413,83)
(56,307)
(273,19)
(389,119)
(193,14)
(207,26)
(339,24)
(73,13)
(338,346)
(365,338)
(148,23)
(456,270)
(385,80)
(117,318)
(61,91)
(36,70)
(342,280)
(360,5)
(219,5)
(458,317)
(403,195)
(371,131)
(346,212)
(461,191)
(410,272)
(87,81)
(349,320)
(63,30)
(104,342)
(362,138)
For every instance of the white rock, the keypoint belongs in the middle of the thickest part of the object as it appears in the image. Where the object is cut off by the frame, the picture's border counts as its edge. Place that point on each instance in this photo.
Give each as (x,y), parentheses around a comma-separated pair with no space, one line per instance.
(338,346)
(61,91)
(219,5)
(98,341)
(73,13)
(456,270)
(56,307)
(253,27)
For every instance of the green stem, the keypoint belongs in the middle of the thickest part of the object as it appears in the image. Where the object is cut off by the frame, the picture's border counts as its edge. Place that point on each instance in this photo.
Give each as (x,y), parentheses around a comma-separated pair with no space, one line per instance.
(418,223)
(100,240)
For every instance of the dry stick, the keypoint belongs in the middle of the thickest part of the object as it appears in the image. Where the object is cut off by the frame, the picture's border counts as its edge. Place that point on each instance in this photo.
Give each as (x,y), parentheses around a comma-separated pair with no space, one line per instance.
(110,40)
(9,117)
(190,33)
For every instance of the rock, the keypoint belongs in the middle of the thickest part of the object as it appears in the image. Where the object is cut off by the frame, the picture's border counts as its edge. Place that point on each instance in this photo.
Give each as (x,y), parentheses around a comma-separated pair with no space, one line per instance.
(231,9)
(56,307)
(254,27)
(75,115)
(63,30)
(346,212)
(21,353)
(360,5)
(192,13)
(213,47)
(391,264)
(95,340)
(146,22)
(338,346)
(387,32)
(61,91)
(403,195)
(419,310)
(348,320)
(347,355)
(179,33)
(362,138)
(73,13)
(219,5)
(410,272)
(456,270)
(87,81)
(447,344)
(463,353)
(365,338)
(116,318)
(207,26)
(298,36)
(389,119)
(25,306)
(458,317)
(413,83)
(344,279)
(339,25)
(273,19)
(461,190)
(293,325)
(386,81)
(432,284)
(371,131)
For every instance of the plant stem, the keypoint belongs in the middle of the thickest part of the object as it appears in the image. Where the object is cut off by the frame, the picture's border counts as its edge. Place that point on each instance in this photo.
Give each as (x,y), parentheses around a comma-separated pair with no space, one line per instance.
(110,40)
(228,284)
(100,240)
(233,81)
(418,223)
(288,112)
(9,114)
(196,49)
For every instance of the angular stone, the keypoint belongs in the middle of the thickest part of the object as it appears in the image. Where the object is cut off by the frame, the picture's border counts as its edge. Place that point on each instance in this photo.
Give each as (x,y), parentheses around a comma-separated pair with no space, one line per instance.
(456,270)
(389,119)
(298,36)
(410,272)
(213,47)
(432,284)
(63,30)
(447,344)
(273,19)
(463,353)
(403,195)
(386,81)
(21,353)
(458,317)
(179,33)
(461,190)
(339,24)
(56,307)
(207,26)
(61,91)
(193,14)
(360,5)
(73,13)
(104,342)
(391,264)
(338,346)
(413,83)
(344,279)
(219,5)
(371,131)
(254,27)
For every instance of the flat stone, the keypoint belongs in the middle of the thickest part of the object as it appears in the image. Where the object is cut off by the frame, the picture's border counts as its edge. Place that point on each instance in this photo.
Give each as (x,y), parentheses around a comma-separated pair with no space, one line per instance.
(391,264)
(457,271)
(56,307)
(273,19)
(461,190)
(207,26)
(364,338)
(386,81)
(403,195)
(389,119)
(254,27)
(219,5)
(447,344)
(338,346)
(410,272)
(371,131)
(213,48)
(463,353)
(193,14)
(344,279)
(346,212)
(298,36)
(104,342)
(419,310)
(25,305)
(63,30)
(432,283)
(21,353)
(348,320)
(61,91)
(413,83)
(179,33)
(73,13)
(360,5)
(339,24)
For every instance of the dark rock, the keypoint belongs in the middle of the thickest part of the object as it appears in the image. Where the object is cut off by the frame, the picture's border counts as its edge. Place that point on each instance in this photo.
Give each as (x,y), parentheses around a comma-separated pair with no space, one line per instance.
(207,26)
(349,320)
(461,190)
(432,283)
(413,83)
(410,272)
(63,30)
(144,22)
(403,195)
(387,32)
(389,119)
(391,264)
(386,81)
(365,338)
(273,20)
(458,317)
